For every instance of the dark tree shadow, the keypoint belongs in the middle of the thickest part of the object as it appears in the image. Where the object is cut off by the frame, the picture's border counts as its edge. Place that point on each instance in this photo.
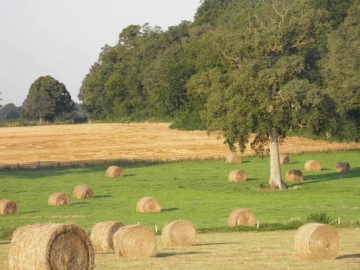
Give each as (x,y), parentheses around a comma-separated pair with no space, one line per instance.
(310,179)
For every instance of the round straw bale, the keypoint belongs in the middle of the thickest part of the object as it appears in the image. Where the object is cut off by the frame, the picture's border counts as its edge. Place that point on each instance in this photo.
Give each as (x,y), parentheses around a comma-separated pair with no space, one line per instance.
(50,246)
(241,217)
(179,233)
(314,241)
(284,159)
(58,199)
(102,235)
(114,171)
(135,241)
(148,205)
(233,158)
(294,176)
(82,191)
(7,207)
(237,176)
(342,167)
(312,166)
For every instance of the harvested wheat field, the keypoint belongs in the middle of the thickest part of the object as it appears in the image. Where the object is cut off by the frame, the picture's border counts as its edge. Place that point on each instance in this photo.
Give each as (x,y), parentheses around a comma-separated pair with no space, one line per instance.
(232,251)
(96,143)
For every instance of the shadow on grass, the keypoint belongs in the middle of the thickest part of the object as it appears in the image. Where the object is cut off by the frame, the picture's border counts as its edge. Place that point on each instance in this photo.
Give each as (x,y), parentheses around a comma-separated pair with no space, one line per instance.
(169,209)
(348,256)
(217,244)
(163,255)
(77,203)
(310,179)
(102,196)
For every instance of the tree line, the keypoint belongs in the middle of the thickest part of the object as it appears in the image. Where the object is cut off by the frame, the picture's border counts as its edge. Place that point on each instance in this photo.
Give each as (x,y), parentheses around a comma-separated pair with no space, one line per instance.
(236,57)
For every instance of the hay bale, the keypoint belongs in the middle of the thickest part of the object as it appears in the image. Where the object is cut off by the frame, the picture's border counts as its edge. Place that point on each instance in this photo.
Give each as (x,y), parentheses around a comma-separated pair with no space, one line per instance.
(148,205)
(284,159)
(342,167)
(314,241)
(114,171)
(312,166)
(7,207)
(82,191)
(135,241)
(237,176)
(58,199)
(294,176)
(51,246)
(179,233)
(233,158)
(102,235)
(241,217)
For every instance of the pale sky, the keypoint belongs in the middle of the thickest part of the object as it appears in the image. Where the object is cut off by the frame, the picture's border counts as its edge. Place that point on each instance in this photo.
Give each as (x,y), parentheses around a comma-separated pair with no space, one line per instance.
(63,38)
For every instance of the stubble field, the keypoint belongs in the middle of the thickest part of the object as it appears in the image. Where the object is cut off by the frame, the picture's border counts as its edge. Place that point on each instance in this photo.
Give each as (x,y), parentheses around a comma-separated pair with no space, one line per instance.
(94,143)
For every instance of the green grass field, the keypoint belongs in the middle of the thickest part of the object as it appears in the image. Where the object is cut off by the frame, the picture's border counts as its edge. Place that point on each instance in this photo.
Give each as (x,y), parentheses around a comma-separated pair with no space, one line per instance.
(196,191)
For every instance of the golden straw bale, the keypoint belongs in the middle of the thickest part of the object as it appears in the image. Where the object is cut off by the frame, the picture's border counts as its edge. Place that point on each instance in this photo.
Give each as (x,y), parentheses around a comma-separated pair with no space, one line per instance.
(312,166)
(342,167)
(284,159)
(82,191)
(50,246)
(237,176)
(241,217)
(102,235)
(179,233)
(233,158)
(114,171)
(148,205)
(7,207)
(315,241)
(135,241)
(58,199)
(294,176)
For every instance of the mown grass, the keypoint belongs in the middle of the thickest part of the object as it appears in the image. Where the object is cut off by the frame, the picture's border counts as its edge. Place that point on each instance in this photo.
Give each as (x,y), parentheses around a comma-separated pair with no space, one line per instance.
(197,191)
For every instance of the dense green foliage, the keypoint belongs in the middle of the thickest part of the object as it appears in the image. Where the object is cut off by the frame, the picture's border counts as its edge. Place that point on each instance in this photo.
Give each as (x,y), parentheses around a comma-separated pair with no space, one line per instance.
(239,67)
(47,99)
(9,111)
(197,191)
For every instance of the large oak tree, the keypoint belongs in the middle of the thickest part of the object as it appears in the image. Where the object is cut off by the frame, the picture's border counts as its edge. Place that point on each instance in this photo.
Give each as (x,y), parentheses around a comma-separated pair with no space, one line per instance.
(268,89)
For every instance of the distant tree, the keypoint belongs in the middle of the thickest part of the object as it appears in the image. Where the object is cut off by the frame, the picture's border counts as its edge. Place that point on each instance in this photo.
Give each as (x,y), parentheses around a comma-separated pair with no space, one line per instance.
(0,100)
(9,111)
(47,99)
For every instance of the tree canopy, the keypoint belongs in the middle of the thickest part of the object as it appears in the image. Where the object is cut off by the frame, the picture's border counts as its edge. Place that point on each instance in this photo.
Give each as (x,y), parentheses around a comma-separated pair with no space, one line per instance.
(272,55)
(47,99)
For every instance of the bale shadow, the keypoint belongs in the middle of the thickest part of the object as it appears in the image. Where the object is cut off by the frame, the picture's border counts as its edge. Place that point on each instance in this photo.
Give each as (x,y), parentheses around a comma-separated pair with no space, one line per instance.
(169,209)
(102,196)
(348,256)
(77,203)
(217,244)
(164,255)
(310,179)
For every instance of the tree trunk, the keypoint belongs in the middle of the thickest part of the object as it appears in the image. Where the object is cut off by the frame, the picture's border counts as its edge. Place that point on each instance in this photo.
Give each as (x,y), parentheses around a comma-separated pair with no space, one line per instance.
(275,181)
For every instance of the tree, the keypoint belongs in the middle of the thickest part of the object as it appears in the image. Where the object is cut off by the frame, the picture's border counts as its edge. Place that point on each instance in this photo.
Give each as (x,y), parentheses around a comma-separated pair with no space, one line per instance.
(0,100)
(47,99)
(267,89)
(9,111)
